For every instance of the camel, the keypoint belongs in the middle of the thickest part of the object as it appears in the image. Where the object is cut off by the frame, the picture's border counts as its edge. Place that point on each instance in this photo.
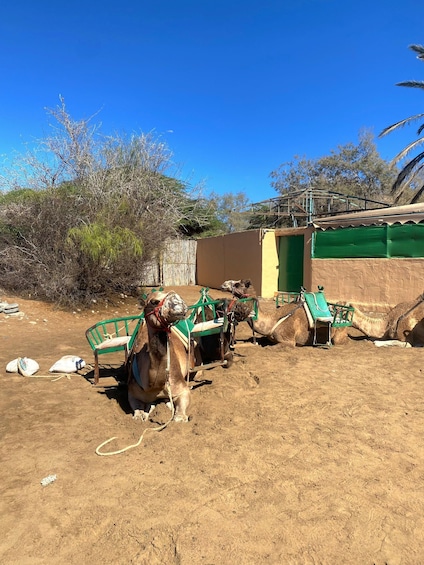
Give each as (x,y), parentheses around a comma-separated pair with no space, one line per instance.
(159,362)
(286,325)
(404,323)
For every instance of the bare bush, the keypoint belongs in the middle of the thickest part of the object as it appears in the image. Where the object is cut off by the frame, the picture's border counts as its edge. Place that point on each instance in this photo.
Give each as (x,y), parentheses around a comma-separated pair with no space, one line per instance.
(97,210)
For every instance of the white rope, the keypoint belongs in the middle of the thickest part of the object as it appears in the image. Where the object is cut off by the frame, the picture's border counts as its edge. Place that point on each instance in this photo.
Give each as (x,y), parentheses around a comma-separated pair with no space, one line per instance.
(158,429)
(188,352)
(280,321)
(53,377)
(116,334)
(316,303)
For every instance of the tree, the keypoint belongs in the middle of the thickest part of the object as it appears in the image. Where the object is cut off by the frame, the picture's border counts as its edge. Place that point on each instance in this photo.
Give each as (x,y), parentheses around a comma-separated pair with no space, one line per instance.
(350,169)
(298,174)
(81,213)
(357,170)
(412,174)
(201,219)
(231,211)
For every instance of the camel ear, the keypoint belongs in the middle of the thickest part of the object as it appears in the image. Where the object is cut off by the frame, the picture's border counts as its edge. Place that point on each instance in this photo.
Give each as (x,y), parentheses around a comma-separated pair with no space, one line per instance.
(144,297)
(227,285)
(247,283)
(142,300)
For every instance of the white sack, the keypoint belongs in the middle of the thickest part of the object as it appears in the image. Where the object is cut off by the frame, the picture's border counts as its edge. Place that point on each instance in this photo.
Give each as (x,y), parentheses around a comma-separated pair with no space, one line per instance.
(67,364)
(23,365)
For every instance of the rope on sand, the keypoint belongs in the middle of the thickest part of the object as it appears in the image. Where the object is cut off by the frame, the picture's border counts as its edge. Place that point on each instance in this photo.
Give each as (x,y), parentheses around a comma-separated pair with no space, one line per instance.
(158,429)
(53,377)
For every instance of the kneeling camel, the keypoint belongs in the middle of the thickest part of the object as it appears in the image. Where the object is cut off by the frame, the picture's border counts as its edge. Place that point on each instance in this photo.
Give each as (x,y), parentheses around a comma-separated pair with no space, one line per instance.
(403,323)
(159,361)
(286,325)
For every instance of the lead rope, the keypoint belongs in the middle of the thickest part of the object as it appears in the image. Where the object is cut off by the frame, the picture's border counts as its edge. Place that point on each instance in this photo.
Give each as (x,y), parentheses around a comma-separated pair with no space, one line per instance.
(188,353)
(284,318)
(159,428)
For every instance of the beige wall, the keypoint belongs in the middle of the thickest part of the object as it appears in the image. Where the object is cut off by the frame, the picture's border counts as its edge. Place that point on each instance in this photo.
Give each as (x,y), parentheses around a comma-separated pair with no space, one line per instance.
(380,283)
(250,254)
(231,256)
(210,261)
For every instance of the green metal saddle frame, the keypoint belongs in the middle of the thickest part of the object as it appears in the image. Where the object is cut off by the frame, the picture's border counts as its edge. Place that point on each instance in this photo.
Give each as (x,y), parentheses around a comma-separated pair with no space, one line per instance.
(320,312)
(212,322)
(109,336)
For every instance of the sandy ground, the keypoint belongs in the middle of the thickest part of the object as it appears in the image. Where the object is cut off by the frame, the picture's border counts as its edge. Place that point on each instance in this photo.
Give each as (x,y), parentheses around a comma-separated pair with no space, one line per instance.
(303,456)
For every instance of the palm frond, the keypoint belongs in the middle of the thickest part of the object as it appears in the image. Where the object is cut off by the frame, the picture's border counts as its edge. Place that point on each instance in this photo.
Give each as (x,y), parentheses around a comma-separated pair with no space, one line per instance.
(400,124)
(418,49)
(417,195)
(397,197)
(412,172)
(406,172)
(411,83)
(400,156)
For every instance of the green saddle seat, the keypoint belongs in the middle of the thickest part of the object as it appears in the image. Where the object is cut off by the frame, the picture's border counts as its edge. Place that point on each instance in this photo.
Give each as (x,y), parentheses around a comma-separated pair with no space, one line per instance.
(318,306)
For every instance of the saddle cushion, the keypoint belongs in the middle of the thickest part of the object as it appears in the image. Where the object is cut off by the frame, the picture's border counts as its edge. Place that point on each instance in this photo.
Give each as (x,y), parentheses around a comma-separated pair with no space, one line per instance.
(317,308)
(114,342)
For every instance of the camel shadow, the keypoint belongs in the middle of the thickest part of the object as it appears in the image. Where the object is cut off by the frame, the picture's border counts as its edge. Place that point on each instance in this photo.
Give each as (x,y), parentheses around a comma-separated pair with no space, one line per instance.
(112,390)
(117,372)
(119,394)
(193,384)
(119,391)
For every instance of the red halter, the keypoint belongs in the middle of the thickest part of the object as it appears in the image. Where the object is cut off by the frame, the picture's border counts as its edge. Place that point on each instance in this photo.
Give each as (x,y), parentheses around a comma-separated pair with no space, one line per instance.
(164,325)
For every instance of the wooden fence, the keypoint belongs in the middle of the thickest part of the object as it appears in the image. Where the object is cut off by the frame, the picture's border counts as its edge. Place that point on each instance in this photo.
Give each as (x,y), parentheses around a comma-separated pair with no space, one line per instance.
(175,266)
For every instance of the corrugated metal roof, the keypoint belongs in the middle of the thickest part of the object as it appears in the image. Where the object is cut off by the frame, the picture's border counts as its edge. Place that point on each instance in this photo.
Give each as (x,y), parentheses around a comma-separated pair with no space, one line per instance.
(413,213)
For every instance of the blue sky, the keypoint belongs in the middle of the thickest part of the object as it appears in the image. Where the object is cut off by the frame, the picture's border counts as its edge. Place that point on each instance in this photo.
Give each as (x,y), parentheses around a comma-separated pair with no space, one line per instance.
(235,88)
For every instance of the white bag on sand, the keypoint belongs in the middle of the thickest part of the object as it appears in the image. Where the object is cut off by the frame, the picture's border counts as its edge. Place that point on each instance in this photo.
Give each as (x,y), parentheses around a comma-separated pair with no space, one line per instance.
(391,343)
(67,364)
(12,366)
(23,365)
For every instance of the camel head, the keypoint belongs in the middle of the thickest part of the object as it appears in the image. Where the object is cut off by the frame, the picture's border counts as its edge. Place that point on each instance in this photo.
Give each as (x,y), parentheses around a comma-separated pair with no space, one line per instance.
(240,289)
(162,309)
(243,311)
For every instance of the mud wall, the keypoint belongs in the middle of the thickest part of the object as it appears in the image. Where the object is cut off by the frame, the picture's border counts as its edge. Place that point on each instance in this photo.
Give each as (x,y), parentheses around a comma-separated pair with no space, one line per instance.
(377,283)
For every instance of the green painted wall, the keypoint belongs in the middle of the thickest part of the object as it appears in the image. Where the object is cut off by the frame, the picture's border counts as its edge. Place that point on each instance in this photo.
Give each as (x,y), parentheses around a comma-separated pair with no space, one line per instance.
(386,241)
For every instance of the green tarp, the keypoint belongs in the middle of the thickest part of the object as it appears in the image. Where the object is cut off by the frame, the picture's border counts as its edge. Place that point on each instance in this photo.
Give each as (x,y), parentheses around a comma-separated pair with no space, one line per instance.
(398,240)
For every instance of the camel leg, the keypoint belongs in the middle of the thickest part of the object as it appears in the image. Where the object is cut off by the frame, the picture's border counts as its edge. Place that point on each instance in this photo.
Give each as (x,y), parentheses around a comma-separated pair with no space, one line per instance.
(181,404)
(229,358)
(141,410)
(340,336)
(195,361)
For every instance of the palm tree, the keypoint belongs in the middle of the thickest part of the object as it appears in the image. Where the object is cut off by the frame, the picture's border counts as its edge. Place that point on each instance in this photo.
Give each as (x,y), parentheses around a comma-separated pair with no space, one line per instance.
(412,173)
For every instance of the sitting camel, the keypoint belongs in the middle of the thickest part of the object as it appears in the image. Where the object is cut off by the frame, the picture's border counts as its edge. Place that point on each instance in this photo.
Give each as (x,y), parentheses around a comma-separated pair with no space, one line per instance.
(287,324)
(159,359)
(403,323)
